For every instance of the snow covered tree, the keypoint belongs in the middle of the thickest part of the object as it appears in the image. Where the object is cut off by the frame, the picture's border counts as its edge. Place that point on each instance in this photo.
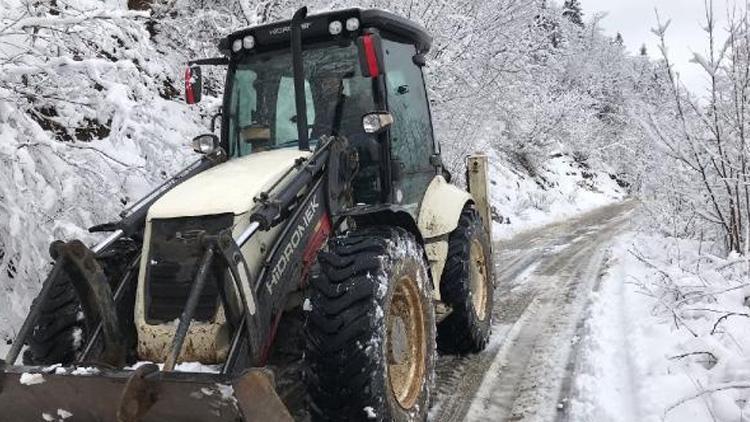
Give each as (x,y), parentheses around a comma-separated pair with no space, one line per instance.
(707,140)
(572,10)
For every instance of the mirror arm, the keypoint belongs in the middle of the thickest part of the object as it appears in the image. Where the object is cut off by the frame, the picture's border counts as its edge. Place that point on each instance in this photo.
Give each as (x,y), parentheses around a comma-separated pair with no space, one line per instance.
(213,61)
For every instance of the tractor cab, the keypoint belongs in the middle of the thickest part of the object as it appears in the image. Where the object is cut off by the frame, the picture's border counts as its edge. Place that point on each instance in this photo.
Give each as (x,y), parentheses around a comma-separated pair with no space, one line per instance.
(362,80)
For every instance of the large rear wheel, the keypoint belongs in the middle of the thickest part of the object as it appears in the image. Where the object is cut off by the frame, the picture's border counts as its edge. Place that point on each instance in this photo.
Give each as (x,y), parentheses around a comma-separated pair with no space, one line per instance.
(467,287)
(63,328)
(60,330)
(371,336)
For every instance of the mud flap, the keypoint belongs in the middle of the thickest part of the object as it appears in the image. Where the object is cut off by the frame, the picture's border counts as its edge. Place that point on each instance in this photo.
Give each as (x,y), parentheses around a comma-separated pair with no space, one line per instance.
(143,395)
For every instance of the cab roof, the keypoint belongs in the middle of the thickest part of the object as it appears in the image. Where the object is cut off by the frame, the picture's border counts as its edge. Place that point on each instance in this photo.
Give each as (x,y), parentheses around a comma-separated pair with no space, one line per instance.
(315,28)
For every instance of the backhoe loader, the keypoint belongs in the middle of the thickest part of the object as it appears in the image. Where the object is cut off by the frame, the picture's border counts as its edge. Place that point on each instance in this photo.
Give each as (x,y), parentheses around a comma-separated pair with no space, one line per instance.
(323,196)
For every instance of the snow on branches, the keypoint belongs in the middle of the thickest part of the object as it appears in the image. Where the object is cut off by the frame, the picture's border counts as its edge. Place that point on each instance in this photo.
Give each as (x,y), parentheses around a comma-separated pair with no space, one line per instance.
(88,122)
(705,139)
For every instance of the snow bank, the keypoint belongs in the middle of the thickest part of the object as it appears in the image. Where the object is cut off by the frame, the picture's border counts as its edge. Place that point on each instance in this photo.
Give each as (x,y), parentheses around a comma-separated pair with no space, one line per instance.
(666,336)
(561,189)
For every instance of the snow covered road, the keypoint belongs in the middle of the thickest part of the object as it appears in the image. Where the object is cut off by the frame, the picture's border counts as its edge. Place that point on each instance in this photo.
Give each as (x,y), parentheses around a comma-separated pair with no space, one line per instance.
(544,278)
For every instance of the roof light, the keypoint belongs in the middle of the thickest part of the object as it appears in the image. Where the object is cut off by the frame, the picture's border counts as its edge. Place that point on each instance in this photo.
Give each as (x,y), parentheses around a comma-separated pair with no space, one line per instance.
(352,24)
(335,27)
(248,42)
(237,45)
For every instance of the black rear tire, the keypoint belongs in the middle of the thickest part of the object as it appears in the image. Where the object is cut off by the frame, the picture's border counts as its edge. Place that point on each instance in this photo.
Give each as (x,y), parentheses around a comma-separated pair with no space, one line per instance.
(371,329)
(60,330)
(467,288)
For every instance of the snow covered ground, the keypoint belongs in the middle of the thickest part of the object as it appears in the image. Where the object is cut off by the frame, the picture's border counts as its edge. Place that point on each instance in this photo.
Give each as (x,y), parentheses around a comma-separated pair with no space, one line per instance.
(595,323)
(666,336)
(562,189)
(543,277)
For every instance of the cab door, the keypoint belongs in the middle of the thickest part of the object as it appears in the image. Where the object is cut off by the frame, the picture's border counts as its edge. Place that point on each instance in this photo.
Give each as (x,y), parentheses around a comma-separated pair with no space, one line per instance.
(412,141)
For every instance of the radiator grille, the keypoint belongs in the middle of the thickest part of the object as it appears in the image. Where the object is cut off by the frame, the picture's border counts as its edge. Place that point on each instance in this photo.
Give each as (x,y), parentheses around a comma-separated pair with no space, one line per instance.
(175,253)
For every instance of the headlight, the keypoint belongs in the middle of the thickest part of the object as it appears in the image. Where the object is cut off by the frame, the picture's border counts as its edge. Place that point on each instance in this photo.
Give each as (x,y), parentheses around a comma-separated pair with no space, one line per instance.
(352,24)
(237,45)
(335,27)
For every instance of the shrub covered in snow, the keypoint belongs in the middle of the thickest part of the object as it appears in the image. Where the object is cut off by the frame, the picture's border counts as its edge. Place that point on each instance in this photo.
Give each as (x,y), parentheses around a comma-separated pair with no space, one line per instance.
(667,335)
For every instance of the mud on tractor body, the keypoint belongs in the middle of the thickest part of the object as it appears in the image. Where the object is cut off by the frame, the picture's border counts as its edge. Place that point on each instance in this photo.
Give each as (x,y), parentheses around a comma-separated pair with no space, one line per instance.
(323,196)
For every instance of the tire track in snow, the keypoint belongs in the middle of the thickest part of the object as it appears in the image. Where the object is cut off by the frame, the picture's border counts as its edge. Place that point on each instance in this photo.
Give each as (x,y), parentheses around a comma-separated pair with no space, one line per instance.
(543,279)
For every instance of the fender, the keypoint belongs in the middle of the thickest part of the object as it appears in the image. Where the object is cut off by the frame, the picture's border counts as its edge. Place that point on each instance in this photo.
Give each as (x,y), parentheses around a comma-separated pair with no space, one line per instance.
(441,208)
(438,217)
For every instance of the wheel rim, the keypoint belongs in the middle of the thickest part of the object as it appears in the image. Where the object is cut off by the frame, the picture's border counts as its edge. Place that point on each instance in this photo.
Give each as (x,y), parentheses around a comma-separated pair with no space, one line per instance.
(406,343)
(478,279)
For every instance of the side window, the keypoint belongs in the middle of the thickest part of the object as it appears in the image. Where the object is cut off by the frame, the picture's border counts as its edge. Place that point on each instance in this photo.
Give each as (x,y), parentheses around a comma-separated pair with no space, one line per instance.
(286,123)
(245,98)
(411,134)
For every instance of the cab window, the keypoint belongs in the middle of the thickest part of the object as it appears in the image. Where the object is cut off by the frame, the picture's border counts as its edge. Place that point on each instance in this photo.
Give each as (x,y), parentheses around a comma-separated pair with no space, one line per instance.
(411,134)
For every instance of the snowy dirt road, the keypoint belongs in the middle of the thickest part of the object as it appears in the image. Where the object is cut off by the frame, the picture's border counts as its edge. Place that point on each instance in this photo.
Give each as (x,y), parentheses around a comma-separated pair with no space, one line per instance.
(544,279)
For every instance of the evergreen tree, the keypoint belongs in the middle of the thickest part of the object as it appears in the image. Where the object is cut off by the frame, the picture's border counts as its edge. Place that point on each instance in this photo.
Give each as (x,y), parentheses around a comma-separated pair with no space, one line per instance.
(572,11)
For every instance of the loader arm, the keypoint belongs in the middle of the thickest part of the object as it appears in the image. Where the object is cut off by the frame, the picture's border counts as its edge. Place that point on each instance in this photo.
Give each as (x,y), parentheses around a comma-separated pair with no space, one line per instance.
(130,225)
(300,202)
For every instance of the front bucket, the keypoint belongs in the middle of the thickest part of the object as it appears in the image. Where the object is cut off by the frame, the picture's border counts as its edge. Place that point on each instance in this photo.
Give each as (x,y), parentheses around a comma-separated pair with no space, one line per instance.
(144,395)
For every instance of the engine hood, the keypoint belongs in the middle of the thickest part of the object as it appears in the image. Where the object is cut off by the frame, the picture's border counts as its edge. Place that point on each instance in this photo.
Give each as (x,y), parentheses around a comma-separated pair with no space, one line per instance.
(226,188)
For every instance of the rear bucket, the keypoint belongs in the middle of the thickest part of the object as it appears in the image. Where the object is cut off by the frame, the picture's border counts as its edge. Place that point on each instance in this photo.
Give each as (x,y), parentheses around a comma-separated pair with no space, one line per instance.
(145,395)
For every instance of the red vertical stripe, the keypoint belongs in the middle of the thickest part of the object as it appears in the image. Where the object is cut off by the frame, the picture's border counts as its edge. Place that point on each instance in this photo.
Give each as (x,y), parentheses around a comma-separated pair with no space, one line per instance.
(372,57)
(189,95)
(322,230)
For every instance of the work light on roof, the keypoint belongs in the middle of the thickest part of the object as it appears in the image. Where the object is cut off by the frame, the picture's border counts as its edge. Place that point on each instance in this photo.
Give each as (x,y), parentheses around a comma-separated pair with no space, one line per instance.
(335,27)
(248,42)
(237,45)
(352,24)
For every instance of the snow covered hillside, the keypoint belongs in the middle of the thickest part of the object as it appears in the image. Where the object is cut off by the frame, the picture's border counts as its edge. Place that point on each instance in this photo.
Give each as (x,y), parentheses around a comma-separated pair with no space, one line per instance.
(560,189)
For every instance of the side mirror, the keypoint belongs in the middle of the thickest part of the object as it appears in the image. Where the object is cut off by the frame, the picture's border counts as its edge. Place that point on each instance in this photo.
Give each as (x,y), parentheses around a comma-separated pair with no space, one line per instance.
(374,123)
(193,84)
(205,144)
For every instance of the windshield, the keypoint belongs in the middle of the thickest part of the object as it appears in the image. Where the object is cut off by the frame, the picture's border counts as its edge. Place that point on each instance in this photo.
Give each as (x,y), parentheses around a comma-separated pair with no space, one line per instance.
(262,112)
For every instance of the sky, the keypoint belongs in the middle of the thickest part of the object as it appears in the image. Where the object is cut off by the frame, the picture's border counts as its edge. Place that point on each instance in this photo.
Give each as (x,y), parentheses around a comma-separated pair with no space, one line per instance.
(634,19)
